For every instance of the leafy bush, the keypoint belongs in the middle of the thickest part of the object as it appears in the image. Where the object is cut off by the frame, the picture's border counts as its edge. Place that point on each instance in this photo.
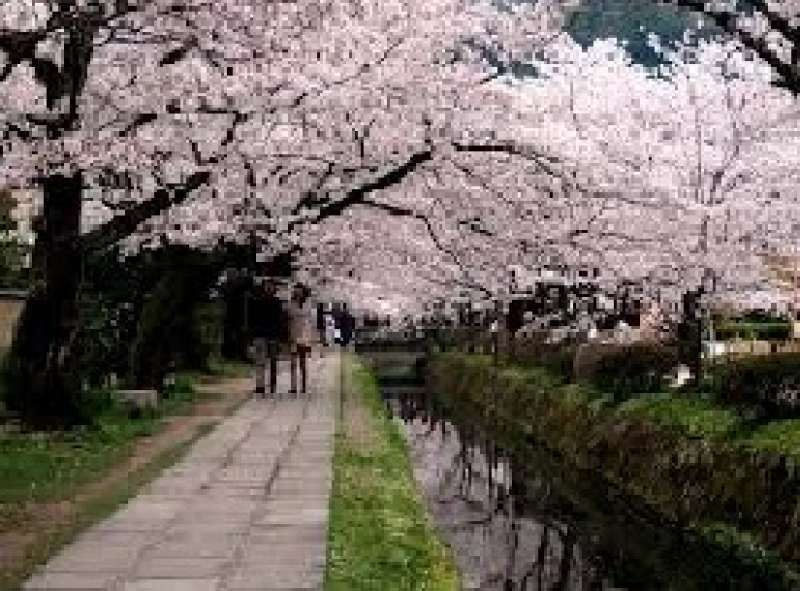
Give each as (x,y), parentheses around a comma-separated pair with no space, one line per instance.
(74,406)
(689,416)
(770,331)
(625,369)
(557,359)
(178,394)
(208,322)
(770,381)
(690,459)
(779,437)
(560,361)
(94,403)
(99,339)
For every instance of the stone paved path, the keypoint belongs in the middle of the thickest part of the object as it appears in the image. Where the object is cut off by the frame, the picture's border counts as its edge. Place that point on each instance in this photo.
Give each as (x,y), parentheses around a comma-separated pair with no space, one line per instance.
(246,509)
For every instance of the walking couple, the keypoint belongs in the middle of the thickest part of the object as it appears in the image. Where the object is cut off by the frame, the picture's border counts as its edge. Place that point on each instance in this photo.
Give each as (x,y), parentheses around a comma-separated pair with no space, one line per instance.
(271,326)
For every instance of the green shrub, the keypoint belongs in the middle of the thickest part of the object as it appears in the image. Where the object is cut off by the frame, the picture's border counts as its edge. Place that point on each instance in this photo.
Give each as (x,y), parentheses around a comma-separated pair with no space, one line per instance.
(557,359)
(94,403)
(769,381)
(770,331)
(560,361)
(183,386)
(625,369)
(779,437)
(689,416)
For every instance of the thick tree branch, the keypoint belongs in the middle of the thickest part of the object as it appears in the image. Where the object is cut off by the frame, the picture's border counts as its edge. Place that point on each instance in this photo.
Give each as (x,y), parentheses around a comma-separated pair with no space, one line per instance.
(789,74)
(545,163)
(141,119)
(357,195)
(397,174)
(124,225)
(474,224)
(776,21)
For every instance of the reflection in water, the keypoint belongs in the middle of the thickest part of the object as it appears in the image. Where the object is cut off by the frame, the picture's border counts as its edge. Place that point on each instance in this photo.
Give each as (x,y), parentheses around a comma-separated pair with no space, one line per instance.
(475,500)
(532,523)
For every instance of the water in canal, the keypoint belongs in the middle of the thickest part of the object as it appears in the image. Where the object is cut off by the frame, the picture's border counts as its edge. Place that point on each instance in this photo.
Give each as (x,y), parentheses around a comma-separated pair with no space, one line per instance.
(534,523)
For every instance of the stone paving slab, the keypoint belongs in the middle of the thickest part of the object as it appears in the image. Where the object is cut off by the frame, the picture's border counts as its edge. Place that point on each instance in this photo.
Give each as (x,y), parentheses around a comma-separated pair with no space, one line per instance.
(171,584)
(71,581)
(245,509)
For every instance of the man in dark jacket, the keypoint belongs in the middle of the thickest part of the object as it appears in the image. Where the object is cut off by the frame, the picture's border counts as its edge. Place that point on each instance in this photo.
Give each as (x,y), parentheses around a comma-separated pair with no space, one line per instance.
(267,321)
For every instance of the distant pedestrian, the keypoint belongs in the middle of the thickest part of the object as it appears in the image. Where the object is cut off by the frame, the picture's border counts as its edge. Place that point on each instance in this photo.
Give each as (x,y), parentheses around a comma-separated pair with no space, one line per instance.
(330,328)
(301,335)
(348,325)
(267,320)
(321,322)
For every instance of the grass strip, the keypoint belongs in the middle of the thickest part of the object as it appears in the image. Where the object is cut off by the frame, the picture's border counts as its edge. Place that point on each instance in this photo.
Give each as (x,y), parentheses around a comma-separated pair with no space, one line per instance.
(380,536)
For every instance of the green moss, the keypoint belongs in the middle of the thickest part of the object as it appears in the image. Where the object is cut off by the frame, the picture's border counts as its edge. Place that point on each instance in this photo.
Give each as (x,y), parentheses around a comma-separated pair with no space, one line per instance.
(379,533)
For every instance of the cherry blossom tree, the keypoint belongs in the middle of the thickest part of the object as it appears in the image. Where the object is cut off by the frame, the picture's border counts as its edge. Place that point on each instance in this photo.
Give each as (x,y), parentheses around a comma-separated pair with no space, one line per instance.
(688,170)
(216,119)
(294,122)
(684,178)
(693,173)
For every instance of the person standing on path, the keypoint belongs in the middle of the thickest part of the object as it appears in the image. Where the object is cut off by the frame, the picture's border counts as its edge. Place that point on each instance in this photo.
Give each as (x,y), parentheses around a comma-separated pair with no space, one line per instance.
(301,335)
(330,328)
(321,323)
(268,323)
(348,325)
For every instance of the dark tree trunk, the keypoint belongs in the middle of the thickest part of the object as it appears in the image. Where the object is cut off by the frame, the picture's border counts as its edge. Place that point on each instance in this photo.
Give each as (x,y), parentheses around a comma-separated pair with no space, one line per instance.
(690,334)
(45,385)
(149,350)
(166,329)
(565,565)
(697,358)
(234,337)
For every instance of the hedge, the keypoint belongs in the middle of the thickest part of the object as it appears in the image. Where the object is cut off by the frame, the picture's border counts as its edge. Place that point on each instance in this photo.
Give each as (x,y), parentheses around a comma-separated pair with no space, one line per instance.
(771,331)
(693,462)
(771,382)
(625,369)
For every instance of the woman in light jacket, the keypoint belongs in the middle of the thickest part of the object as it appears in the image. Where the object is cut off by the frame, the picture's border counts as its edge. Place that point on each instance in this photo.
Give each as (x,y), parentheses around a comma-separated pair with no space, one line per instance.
(301,335)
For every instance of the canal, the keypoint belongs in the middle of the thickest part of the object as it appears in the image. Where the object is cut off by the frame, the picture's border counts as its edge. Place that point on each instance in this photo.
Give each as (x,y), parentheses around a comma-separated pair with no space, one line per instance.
(529,521)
